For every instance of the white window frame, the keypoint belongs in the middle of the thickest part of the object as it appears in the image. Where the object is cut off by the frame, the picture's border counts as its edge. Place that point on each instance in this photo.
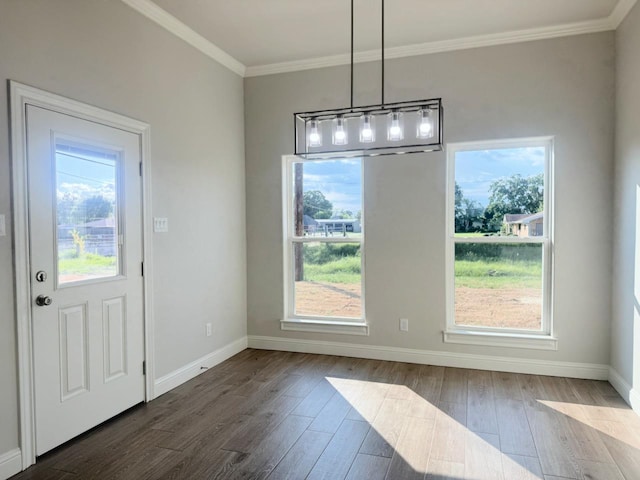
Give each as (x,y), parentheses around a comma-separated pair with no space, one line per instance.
(542,339)
(308,323)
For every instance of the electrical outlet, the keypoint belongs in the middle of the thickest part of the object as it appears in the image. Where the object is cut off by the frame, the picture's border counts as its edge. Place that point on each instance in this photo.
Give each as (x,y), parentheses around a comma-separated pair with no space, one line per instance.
(404,324)
(208,329)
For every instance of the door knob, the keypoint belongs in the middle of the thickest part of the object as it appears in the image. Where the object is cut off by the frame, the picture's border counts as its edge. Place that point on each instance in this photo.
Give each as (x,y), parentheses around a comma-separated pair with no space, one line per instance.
(43,301)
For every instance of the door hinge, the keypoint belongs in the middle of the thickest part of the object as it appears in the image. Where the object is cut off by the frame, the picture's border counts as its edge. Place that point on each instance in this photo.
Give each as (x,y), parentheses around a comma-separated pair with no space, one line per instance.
(142,268)
(144,368)
(140,164)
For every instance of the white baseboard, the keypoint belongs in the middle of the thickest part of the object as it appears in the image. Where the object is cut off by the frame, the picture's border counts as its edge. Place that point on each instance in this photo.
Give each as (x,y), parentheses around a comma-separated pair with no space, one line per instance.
(447,359)
(10,463)
(620,384)
(629,394)
(634,400)
(193,369)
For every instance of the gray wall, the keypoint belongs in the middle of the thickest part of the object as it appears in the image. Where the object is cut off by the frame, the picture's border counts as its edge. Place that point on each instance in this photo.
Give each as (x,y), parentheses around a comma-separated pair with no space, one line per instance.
(106,54)
(625,325)
(562,87)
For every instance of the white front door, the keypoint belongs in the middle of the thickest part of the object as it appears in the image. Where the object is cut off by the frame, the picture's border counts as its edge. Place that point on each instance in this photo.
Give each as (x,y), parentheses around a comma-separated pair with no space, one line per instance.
(86,259)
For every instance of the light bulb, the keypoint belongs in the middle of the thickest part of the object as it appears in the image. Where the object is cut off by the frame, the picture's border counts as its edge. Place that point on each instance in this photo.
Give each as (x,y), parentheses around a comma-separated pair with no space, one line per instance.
(315,140)
(367,129)
(425,125)
(339,132)
(395,132)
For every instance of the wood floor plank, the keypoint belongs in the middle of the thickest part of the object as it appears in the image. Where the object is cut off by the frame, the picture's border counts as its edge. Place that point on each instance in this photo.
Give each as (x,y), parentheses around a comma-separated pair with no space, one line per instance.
(442,470)
(513,427)
(454,386)
(481,407)
(506,385)
(449,433)
(264,457)
(550,434)
(258,427)
(335,461)
(623,443)
(368,467)
(217,464)
(313,403)
(332,414)
(483,459)
(299,461)
(386,428)
(411,454)
(600,471)
(518,467)
(368,401)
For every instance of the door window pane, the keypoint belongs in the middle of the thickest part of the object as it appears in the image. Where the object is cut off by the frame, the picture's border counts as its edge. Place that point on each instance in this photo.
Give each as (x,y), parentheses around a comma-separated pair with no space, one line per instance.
(86,213)
(498,285)
(328,279)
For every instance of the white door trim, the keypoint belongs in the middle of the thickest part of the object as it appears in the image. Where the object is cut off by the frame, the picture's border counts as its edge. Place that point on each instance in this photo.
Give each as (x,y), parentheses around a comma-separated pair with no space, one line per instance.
(21,96)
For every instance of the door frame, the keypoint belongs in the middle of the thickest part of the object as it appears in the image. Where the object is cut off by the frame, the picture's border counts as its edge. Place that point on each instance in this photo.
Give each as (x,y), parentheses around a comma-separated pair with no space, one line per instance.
(20,96)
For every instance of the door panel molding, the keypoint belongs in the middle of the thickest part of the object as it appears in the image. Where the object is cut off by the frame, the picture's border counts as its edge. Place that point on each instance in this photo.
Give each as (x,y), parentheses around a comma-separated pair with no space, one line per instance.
(20,96)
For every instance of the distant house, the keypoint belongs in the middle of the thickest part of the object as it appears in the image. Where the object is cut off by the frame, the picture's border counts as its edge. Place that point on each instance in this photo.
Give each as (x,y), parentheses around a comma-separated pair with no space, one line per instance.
(524,224)
(330,226)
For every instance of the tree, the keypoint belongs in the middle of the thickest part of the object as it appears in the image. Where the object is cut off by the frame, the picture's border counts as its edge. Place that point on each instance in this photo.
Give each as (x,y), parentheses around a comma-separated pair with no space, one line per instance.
(316,205)
(513,195)
(467,212)
(96,208)
(343,214)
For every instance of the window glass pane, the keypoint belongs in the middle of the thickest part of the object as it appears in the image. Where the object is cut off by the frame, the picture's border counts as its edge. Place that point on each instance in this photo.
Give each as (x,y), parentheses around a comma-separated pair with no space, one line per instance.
(327,198)
(498,285)
(86,210)
(500,192)
(328,280)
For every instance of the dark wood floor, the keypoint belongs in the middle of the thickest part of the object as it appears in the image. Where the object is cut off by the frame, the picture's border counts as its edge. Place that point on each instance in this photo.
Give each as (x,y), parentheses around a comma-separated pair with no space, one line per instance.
(282,415)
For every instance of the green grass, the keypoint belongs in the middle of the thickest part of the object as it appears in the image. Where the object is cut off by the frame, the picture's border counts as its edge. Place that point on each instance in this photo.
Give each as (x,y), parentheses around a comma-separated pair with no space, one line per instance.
(344,270)
(470,235)
(89,263)
(498,274)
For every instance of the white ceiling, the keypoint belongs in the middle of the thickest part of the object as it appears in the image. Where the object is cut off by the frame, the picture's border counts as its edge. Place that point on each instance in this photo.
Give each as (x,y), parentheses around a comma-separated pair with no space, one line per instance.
(261,33)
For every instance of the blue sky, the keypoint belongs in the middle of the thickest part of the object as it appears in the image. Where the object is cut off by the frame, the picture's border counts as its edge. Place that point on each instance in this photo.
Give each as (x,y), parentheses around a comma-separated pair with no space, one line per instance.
(84,176)
(475,170)
(341,180)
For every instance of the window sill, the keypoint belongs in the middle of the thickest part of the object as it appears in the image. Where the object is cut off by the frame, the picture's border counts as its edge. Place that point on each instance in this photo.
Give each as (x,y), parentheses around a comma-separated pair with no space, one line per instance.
(325,326)
(495,339)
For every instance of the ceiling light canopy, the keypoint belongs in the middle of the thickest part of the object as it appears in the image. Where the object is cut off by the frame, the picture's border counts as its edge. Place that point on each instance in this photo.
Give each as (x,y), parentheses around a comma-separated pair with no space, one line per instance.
(383,129)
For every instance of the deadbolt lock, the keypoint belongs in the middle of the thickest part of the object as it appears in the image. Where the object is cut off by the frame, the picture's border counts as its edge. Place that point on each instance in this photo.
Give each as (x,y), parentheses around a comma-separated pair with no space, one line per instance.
(41,276)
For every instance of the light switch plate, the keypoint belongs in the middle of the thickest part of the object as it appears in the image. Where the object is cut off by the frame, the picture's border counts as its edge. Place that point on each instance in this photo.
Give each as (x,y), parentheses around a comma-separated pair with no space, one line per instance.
(160,224)
(3,229)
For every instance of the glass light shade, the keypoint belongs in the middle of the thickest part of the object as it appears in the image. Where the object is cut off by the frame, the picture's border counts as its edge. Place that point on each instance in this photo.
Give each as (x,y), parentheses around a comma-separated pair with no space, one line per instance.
(395,130)
(314,138)
(425,123)
(339,132)
(367,128)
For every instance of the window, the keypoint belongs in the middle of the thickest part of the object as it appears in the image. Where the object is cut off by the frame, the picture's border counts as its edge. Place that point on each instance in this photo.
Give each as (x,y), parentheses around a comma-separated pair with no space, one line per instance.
(324,239)
(499,236)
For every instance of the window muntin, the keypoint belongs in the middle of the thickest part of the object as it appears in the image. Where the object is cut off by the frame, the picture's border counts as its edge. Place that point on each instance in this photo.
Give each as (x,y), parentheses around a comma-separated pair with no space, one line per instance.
(499,237)
(324,257)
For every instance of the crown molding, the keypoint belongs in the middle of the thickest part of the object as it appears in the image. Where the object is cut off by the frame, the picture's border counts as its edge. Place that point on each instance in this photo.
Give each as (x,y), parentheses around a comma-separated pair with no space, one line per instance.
(620,12)
(517,36)
(152,11)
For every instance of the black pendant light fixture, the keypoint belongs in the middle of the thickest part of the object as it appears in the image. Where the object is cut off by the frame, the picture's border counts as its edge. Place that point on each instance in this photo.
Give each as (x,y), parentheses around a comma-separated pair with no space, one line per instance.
(383,129)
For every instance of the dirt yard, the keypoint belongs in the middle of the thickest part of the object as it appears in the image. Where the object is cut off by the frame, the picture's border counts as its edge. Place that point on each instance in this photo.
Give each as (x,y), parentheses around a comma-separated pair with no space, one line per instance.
(509,307)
